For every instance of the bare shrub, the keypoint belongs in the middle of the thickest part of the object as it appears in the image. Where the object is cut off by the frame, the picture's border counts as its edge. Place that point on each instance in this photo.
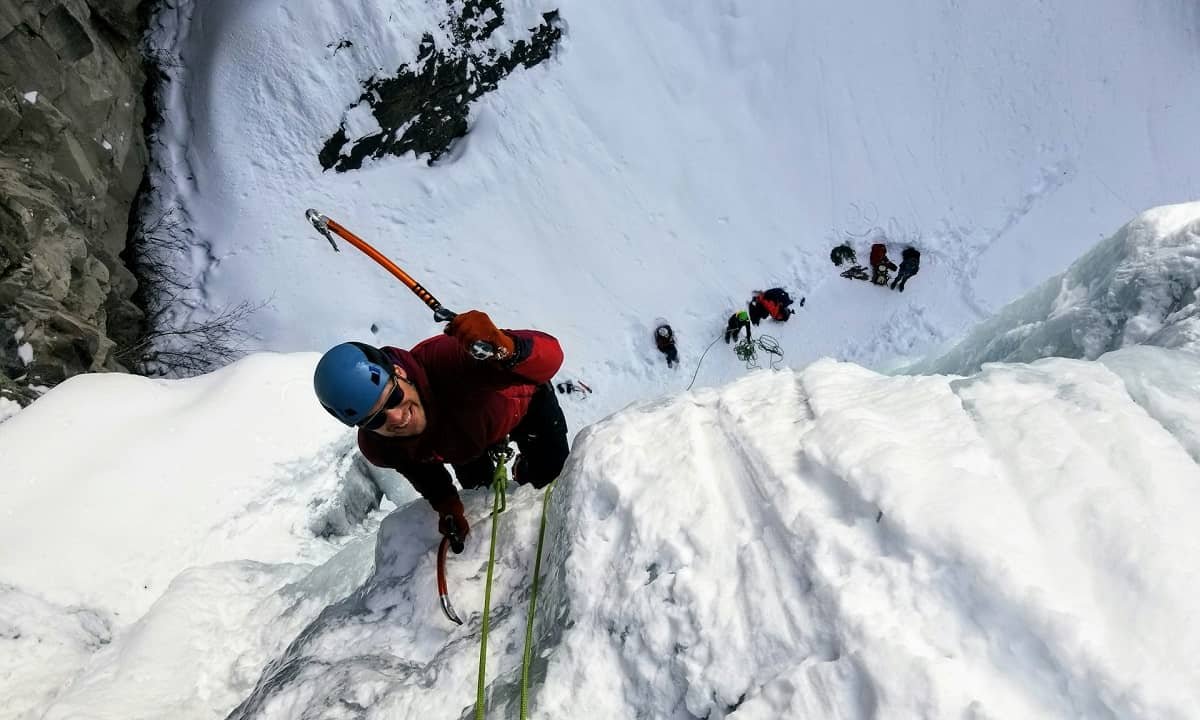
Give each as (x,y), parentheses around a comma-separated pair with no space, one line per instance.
(171,344)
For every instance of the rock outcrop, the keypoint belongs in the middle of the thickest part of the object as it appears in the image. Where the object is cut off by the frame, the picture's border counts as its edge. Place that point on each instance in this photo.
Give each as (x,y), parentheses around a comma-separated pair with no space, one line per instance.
(72,157)
(423,107)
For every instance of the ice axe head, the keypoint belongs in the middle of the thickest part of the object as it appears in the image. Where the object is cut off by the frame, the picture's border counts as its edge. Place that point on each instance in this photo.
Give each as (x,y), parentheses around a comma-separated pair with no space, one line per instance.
(443,594)
(321,223)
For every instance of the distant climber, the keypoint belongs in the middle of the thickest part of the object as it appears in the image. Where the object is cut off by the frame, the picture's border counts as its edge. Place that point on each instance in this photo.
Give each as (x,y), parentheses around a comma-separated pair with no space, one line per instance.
(774,303)
(910,264)
(664,339)
(880,264)
(737,321)
(843,254)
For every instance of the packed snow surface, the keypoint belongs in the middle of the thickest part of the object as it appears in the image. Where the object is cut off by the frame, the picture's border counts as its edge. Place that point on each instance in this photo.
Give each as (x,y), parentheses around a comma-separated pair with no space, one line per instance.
(142,522)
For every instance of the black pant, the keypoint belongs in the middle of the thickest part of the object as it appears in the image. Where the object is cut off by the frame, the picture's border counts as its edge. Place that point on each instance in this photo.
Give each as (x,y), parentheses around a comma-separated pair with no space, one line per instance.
(734,328)
(541,438)
(901,278)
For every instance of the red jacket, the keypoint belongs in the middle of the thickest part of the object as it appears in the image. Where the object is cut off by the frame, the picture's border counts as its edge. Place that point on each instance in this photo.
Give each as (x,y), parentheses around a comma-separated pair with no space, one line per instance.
(469,406)
(879,256)
(774,309)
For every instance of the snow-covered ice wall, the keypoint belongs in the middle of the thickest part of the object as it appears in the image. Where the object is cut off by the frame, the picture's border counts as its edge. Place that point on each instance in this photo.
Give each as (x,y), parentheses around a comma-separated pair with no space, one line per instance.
(823,543)
(1138,287)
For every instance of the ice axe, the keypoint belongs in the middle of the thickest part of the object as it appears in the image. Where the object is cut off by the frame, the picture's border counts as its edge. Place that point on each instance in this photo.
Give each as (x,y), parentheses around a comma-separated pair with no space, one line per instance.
(480,350)
(443,594)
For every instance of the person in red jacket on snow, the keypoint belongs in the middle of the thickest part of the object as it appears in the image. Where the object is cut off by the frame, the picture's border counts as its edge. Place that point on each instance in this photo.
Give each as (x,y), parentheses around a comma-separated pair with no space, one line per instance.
(421,409)
(880,264)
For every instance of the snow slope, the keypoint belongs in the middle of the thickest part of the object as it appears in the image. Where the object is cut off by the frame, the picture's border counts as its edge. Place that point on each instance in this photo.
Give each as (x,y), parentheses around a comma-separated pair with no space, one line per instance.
(1137,287)
(830,542)
(156,477)
(673,157)
(145,522)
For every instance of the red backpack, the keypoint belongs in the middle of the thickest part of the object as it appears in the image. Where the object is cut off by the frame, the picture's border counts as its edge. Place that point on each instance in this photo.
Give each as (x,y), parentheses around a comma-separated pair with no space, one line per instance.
(878,253)
(775,301)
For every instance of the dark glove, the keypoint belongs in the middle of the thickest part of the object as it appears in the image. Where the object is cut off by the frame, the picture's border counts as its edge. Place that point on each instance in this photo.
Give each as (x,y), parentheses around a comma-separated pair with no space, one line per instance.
(474,326)
(455,527)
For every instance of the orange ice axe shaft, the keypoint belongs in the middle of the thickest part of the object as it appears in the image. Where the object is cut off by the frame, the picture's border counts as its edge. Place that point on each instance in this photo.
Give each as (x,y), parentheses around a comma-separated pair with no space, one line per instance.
(328,228)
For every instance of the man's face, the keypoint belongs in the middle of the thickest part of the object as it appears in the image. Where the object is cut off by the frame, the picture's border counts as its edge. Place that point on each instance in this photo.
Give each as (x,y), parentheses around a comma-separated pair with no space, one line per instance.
(408,417)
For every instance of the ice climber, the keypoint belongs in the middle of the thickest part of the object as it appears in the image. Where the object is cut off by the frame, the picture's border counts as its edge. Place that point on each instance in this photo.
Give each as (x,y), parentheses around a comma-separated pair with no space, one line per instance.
(910,264)
(880,264)
(664,340)
(418,410)
(733,328)
(774,303)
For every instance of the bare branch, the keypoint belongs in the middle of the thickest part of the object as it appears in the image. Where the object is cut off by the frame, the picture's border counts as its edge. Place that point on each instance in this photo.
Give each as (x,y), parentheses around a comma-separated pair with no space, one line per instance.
(167,346)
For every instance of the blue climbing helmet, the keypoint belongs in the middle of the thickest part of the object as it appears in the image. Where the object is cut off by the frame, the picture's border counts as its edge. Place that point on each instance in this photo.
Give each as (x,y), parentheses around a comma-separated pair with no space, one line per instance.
(349,380)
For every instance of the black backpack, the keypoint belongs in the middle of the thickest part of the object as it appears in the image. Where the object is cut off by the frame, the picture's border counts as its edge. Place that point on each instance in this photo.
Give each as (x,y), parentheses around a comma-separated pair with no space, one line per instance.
(778,295)
(842,254)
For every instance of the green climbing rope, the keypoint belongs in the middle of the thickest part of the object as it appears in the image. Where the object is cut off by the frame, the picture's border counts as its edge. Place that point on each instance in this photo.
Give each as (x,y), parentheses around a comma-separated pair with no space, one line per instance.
(701,361)
(499,502)
(771,347)
(747,351)
(527,656)
(499,481)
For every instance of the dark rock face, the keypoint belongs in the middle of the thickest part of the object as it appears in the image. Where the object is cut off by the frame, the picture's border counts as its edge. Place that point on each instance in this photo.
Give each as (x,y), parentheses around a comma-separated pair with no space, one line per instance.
(71,161)
(425,106)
